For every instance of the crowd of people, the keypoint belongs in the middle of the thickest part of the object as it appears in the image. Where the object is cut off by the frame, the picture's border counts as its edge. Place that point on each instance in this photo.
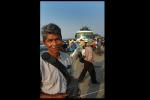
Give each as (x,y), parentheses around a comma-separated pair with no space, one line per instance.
(96,44)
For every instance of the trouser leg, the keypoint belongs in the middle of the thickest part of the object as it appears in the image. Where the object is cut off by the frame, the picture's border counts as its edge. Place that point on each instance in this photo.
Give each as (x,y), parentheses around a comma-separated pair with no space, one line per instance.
(83,73)
(91,71)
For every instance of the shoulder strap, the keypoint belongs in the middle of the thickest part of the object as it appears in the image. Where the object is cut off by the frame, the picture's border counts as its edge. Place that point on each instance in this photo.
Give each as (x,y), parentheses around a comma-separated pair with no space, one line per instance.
(48,58)
(79,54)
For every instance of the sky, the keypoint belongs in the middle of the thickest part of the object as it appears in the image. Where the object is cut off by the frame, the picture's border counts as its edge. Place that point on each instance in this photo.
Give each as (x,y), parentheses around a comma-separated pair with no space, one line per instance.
(70,16)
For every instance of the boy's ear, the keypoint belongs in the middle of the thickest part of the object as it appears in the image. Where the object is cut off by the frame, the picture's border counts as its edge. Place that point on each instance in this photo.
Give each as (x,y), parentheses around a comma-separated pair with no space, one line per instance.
(62,43)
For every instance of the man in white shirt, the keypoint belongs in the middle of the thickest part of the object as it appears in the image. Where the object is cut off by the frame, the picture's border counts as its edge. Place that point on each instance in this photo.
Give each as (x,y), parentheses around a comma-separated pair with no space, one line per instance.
(53,82)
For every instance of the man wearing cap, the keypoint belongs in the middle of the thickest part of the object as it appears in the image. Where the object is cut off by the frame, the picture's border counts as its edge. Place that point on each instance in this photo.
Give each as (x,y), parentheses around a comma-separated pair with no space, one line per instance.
(86,51)
(88,66)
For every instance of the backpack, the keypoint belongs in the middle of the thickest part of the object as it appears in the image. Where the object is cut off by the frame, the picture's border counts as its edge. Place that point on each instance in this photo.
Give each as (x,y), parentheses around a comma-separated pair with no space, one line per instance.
(81,58)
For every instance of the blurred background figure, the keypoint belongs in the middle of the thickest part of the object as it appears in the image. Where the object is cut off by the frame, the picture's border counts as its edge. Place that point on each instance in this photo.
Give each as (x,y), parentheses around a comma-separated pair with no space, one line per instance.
(99,44)
(94,45)
(64,47)
(88,65)
(72,46)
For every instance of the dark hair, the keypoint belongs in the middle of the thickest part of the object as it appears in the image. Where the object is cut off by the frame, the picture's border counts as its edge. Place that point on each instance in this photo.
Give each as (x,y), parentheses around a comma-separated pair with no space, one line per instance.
(51,29)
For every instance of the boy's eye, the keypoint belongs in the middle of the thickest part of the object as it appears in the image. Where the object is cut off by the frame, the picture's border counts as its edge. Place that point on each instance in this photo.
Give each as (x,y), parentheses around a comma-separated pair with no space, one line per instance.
(57,39)
(50,40)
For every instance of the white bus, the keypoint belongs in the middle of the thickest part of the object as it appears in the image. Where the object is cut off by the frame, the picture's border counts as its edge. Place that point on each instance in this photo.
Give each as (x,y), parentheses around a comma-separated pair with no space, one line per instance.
(84,35)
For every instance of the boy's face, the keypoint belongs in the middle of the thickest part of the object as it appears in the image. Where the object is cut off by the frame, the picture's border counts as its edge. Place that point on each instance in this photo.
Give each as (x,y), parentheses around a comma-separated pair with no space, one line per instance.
(53,43)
